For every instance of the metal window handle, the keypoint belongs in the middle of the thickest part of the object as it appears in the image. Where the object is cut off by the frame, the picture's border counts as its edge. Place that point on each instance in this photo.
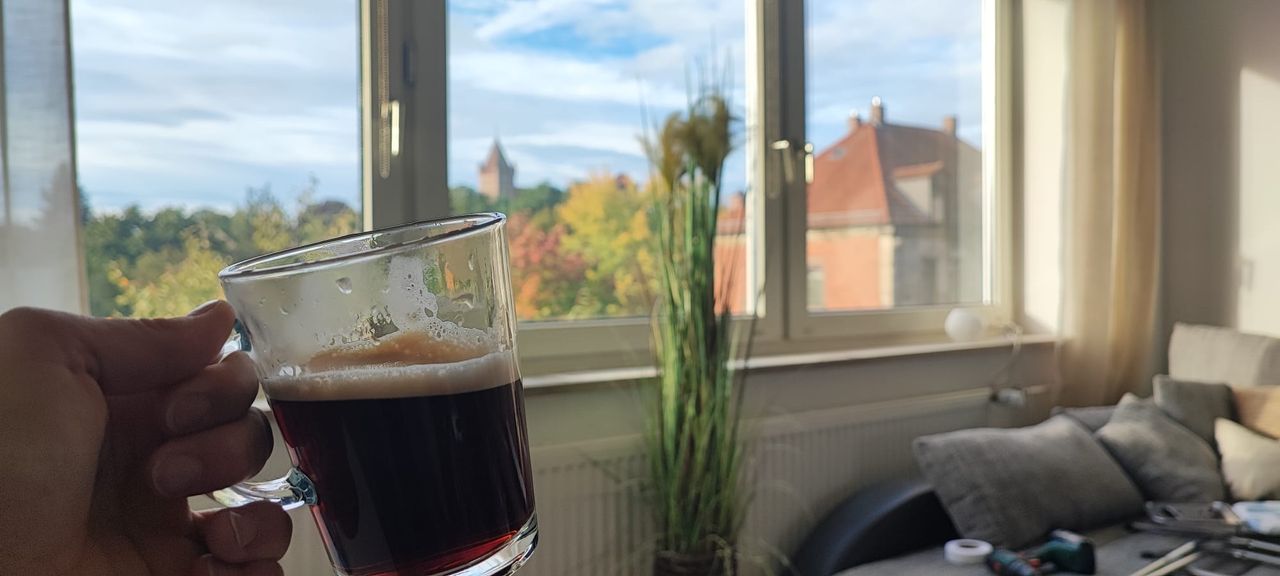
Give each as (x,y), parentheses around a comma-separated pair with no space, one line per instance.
(789,153)
(788,171)
(392,113)
(808,163)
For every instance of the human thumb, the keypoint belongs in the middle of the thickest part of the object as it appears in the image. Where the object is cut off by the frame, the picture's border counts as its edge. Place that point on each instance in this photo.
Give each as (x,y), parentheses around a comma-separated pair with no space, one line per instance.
(127,356)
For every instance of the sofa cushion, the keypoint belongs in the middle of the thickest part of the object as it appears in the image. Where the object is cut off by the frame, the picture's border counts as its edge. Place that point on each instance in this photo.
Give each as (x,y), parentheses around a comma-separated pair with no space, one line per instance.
(1195,405)
(1213,354)
(995,484)
(1091,417)
(1259,409)
(1167,461)
(1250,462)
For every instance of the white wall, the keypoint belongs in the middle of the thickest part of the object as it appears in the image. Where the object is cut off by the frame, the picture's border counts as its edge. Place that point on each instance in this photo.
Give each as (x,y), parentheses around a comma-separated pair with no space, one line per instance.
(1220,117)
(1043,120)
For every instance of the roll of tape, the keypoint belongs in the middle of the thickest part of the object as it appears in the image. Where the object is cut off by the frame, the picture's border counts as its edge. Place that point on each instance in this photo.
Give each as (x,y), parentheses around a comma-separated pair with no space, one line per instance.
(966,551)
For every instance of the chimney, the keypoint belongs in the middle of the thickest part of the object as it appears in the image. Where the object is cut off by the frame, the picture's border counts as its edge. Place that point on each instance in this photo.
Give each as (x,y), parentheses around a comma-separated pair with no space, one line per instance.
(855,121)
(949,124)
(877,112)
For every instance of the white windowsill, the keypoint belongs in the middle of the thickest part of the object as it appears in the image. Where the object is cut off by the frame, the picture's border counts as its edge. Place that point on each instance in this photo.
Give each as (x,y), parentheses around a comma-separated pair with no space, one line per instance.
(772,361)
(785,360)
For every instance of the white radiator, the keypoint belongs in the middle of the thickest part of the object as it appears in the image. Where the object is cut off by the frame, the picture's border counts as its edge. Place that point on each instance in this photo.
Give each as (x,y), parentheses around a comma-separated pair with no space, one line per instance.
(593,521)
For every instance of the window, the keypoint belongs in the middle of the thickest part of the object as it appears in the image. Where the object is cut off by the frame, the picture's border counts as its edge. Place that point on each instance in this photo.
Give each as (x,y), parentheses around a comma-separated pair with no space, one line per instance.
(547,108)
(894,212)
(897,199)
(867,157)
(208,133)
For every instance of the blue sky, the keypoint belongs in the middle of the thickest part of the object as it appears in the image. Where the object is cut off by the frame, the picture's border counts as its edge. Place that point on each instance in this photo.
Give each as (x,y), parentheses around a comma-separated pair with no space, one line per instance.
(190,103)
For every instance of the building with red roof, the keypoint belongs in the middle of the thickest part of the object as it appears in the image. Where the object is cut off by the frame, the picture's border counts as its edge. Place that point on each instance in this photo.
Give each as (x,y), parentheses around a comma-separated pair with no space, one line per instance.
(894,217)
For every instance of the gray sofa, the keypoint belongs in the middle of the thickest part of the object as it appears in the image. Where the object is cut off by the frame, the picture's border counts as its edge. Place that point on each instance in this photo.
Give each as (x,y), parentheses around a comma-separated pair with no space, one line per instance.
(898,528)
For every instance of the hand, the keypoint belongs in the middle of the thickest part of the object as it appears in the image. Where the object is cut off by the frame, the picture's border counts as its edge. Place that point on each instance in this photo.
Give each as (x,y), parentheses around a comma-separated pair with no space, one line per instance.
(107,425)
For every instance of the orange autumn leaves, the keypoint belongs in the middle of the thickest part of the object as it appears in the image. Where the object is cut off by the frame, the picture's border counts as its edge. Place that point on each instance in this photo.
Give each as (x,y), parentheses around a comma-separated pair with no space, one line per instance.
(588,256)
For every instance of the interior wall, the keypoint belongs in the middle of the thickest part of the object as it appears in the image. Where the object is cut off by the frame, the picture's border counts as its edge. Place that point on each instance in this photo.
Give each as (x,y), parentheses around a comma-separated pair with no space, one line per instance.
(1220,87)
(569,414)
(1043,75)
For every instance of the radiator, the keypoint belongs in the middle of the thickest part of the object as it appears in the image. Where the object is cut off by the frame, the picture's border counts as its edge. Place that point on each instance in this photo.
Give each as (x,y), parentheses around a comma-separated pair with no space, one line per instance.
(593,520)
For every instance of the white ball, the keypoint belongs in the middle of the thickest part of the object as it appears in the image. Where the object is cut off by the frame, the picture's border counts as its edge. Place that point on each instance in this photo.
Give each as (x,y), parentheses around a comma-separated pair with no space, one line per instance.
(963,325)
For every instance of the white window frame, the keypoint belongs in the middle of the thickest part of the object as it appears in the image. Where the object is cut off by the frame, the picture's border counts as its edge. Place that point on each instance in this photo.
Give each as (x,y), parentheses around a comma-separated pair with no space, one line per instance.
(803,324)
(405,140)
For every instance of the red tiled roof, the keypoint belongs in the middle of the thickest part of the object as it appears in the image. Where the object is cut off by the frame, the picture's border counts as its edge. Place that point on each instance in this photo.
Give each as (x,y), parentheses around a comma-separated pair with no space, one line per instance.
(854,178)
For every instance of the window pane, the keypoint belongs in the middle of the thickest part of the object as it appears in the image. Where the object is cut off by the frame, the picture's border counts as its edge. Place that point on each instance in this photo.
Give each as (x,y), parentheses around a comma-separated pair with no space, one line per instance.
(894,104)
(547,104)
(208,133)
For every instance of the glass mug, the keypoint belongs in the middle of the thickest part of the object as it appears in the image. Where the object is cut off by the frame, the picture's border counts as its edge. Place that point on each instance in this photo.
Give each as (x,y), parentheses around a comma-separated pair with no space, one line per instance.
(389,361)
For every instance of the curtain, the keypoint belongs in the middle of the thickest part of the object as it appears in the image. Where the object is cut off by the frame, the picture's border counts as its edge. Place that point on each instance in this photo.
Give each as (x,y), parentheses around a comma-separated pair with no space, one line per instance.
(39,232)
(1111,204)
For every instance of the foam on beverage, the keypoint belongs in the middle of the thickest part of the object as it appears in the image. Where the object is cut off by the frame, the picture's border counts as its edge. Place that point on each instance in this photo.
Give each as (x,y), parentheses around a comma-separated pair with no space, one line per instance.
(449,360)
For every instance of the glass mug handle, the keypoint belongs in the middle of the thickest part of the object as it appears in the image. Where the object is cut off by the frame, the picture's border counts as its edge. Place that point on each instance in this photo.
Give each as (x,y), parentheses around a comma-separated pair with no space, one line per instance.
(289,491)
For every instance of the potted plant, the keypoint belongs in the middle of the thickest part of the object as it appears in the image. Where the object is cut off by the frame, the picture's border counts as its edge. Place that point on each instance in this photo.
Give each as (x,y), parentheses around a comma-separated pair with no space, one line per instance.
(695,456)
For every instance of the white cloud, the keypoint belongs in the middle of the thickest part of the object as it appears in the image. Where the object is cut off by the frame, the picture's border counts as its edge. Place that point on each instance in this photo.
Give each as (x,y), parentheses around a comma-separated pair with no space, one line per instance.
(537,15)
(303,140)
(606,137)
(188,103)
(559,78)
(209,97)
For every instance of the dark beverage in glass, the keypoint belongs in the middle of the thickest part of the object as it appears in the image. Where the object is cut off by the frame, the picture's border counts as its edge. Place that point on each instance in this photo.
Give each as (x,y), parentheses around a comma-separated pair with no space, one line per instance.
(390,447)
(389,362)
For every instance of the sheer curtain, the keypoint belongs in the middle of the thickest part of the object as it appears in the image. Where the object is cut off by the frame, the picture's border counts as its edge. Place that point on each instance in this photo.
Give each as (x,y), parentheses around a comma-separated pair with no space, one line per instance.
(39,225)
(1111,203)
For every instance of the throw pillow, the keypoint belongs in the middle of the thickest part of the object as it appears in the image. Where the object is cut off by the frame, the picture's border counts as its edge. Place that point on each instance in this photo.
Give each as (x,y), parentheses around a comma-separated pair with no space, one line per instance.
(1091,417)
(1250,462)
(1168,462)
(1011,487)
(1259,409)
(1194,404)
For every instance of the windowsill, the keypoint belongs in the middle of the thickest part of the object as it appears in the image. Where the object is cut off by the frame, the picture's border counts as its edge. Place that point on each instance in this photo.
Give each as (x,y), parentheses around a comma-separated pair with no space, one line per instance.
(930,345)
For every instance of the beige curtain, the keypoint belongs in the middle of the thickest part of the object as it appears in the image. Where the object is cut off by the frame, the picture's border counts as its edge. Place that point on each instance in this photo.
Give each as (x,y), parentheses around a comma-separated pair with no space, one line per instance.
(39,240)
(1112,203)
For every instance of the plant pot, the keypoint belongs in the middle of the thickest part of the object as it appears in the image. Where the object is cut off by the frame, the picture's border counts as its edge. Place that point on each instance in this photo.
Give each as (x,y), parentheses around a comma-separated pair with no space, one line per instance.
(668,563)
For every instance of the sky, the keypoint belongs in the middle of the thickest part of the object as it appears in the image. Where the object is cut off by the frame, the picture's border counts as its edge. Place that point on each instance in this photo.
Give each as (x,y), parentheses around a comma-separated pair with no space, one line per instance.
(188,104)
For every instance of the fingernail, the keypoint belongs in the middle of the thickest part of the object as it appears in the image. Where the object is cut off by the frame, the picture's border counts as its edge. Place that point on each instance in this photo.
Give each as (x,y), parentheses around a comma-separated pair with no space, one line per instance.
(187,413)
(243,529)
(201,309)
(174,475)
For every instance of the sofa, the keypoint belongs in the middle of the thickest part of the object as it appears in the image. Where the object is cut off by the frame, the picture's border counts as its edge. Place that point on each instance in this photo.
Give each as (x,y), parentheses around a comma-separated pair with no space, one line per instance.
(1090,470)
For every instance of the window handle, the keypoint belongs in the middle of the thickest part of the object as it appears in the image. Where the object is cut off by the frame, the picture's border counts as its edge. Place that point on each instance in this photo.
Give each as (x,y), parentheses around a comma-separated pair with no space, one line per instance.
(788,172)
(808,163)
(789,153)
(392,113)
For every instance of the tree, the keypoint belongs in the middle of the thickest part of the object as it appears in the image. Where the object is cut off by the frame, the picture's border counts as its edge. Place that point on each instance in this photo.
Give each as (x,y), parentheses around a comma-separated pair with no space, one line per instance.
(544,196)
(545,277)
(267,223)
(606,224)
(465,200)
(179,288)
(142,264)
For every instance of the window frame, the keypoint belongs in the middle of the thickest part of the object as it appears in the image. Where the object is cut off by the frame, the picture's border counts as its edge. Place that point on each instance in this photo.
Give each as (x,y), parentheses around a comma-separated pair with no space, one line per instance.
(413,76)
(803,324)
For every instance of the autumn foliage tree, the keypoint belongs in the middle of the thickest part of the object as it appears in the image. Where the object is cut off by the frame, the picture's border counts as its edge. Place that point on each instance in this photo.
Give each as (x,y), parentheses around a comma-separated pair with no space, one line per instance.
(607,225)
(167,262)
(545,277)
